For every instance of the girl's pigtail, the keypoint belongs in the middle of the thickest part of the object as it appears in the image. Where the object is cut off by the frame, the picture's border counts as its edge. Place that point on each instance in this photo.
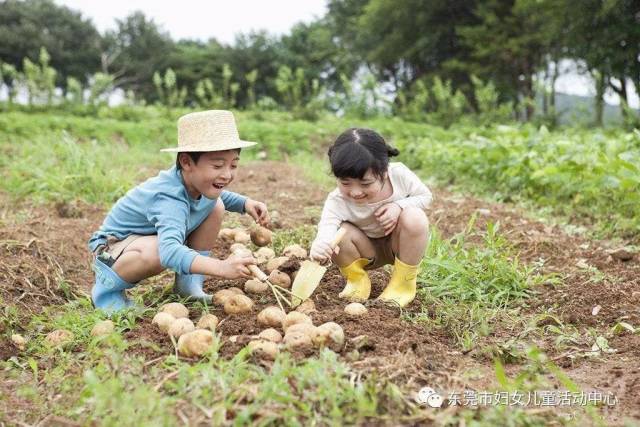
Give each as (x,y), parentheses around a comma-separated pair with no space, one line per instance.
(392,151)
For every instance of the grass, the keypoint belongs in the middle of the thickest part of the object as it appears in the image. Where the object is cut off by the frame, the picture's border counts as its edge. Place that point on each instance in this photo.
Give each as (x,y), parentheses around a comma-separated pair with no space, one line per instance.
(574,173)
(464,287)
(468,283)
(103,381)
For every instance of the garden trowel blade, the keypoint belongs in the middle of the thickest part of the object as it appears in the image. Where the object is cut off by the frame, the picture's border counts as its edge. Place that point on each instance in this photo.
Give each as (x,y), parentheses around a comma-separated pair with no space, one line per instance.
(306,281)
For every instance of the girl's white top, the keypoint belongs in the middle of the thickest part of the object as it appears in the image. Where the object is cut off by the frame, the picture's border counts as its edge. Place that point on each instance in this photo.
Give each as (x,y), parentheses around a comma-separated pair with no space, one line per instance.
(408,190)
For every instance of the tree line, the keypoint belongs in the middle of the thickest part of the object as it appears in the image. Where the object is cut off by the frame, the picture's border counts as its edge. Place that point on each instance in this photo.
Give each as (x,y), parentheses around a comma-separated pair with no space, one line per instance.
(422,56)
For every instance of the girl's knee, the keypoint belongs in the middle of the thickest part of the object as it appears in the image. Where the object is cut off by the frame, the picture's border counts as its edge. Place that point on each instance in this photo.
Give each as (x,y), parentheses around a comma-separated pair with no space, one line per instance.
(414,221)
(353,233)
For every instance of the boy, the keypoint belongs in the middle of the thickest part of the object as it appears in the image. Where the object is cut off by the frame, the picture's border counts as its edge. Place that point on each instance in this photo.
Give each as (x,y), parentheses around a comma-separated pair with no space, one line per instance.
(172,220)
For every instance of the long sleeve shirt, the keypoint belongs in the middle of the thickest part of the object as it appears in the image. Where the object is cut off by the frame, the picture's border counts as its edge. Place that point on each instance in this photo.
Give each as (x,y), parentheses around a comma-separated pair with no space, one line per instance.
(408,190)
(162,206)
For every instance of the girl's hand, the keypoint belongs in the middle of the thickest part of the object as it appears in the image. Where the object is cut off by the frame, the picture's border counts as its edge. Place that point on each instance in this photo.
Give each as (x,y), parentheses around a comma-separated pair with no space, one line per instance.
(257,211)
(387,216)
(322,252)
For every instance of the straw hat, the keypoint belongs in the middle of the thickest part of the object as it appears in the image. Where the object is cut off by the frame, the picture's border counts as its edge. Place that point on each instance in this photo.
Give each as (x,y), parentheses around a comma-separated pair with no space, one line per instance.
(213,130)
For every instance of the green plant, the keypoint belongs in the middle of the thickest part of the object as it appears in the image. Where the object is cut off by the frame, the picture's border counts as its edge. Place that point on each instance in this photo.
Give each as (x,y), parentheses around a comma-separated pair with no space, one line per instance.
(40,79)
(169,94)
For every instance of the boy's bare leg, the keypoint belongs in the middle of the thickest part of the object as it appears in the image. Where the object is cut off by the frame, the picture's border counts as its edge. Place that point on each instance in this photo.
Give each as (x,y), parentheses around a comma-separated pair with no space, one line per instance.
(141,259)
(203,237)
(409,239)
(355,244)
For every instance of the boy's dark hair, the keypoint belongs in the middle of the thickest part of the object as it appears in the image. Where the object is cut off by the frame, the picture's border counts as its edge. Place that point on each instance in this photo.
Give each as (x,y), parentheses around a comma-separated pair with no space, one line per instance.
(357,150)
(195,156)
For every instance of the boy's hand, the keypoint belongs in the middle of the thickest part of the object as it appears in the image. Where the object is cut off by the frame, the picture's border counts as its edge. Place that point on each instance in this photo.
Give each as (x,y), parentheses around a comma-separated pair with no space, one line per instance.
(387,216)
(258,211)
(235,267)
(322,252)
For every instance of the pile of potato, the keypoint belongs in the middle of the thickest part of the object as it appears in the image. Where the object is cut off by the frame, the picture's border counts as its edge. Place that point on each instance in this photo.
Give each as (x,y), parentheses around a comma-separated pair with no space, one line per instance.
(294,331)
(300,334)
(193,340)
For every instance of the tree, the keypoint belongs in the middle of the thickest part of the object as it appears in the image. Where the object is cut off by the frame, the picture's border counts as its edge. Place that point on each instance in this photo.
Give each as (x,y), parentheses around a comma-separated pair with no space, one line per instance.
(606,36)
(403,41)
(508,46)
(312,47)
(72,42)
(134,52)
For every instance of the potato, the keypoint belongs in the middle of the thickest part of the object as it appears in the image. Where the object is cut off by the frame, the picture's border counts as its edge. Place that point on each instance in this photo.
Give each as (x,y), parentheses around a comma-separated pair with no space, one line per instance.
(276,222)
(254,286)
(236,290)
(330,335)
(175,309)
(355,309)
(297,341)
(208,321)
(195,343)
(263,349)
(19,341)
(295,251)
(239,248)
(163,320)
(270,335)
(277,277)
(180,327)
(227,234)
(274,264)
(307,307)
(104,327)
(271,316)
(222,296)
(238,304)
(58,337)
(293,318)
(242,237)
(261,236)
(305,328)
(263,255)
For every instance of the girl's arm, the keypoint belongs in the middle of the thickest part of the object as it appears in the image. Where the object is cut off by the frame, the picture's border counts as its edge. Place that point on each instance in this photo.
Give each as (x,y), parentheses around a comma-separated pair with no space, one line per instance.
(330,221)
(418,195)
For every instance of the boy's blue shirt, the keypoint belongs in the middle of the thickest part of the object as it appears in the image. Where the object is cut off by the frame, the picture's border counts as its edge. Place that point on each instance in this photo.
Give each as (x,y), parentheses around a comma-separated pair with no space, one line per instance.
(161,205)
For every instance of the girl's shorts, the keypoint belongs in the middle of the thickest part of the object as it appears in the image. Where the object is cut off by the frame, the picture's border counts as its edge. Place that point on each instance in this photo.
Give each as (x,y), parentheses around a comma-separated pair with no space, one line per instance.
(384,253)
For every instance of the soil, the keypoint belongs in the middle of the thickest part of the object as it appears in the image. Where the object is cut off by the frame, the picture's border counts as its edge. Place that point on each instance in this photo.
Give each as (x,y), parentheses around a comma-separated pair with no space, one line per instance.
(45,262)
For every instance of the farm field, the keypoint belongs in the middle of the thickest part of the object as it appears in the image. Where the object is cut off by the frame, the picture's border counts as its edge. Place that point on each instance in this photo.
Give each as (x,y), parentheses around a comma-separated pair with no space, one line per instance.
(524,287)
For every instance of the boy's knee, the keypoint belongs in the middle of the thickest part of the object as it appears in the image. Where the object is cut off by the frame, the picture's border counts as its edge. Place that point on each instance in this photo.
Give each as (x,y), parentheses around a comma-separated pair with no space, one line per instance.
(414,220)
(151,259)
(218,209)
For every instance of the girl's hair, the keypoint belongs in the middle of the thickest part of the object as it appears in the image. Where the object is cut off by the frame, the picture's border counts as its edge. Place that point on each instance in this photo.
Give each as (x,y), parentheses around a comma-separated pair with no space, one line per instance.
(357,150)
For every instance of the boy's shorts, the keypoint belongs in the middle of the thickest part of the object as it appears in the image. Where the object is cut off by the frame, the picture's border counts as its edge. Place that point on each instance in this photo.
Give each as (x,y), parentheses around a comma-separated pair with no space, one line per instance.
(110,252)
(384,253)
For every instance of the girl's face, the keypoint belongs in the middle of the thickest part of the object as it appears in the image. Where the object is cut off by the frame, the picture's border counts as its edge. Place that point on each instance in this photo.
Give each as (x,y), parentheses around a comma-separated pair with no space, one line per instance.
(363,190)
(213,172)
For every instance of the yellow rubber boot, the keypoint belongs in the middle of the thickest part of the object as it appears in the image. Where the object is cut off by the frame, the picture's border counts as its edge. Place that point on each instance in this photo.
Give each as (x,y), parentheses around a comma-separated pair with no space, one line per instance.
(358,286)
(402,285)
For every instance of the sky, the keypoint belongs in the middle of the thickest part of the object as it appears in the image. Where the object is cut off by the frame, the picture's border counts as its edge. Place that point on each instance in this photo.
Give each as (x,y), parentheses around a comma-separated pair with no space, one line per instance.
(202,19)
(223,20)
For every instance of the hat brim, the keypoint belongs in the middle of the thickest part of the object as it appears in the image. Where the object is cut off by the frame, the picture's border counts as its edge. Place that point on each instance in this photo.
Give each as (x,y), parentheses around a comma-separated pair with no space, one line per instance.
(206,148)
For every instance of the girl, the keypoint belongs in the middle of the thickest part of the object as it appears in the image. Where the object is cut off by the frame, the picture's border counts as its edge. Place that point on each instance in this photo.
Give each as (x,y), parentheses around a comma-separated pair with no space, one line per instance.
(382,207)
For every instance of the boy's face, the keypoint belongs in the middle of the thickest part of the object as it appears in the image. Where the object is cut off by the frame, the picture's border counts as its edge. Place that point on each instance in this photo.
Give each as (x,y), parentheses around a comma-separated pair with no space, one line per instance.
(361,190)
(212,174)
